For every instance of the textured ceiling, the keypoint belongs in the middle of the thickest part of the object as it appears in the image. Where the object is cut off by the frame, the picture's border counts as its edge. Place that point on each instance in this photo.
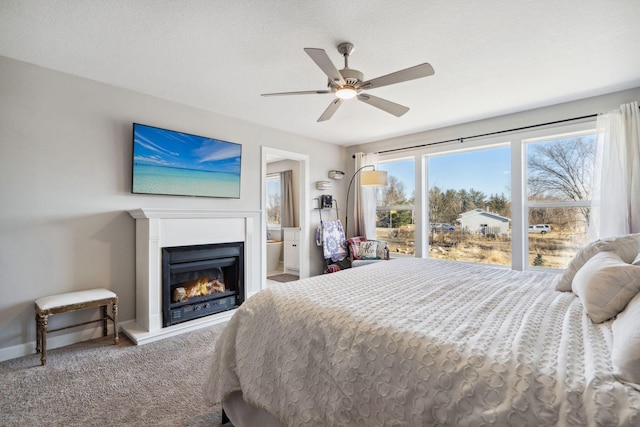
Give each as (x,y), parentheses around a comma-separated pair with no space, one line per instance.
(490,57)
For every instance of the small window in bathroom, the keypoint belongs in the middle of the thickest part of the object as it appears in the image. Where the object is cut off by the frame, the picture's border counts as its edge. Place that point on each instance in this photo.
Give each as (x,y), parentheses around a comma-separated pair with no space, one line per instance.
(273,200)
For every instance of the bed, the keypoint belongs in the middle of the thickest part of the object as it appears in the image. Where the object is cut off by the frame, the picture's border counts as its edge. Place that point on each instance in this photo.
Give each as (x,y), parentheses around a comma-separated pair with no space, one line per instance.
(413,342)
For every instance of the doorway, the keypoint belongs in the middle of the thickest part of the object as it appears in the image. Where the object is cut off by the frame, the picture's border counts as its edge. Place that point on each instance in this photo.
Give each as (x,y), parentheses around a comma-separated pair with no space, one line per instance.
(293,255)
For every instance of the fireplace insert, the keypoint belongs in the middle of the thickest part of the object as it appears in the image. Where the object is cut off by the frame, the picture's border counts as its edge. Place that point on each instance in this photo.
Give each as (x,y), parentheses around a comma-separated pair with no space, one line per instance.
(201,280)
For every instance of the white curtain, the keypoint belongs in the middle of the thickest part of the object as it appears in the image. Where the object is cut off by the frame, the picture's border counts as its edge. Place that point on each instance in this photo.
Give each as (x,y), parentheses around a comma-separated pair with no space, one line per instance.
(364,208)
(615,208)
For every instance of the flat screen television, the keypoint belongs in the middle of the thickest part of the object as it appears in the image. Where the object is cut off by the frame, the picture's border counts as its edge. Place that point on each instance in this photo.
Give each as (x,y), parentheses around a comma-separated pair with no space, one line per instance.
(176,163)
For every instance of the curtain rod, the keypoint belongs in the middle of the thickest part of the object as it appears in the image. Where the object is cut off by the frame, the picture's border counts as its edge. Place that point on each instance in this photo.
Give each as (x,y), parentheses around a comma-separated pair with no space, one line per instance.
(488,134)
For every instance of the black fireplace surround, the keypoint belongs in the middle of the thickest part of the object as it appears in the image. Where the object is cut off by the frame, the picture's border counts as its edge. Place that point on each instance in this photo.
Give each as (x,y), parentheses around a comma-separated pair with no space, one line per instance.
(201,280)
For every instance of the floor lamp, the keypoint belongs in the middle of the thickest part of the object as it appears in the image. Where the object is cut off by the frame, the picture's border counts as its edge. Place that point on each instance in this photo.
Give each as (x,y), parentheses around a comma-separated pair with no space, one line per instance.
(372,178)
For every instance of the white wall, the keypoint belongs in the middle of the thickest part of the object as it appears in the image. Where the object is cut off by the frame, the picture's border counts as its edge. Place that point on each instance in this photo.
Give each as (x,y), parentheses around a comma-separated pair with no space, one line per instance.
(65,186)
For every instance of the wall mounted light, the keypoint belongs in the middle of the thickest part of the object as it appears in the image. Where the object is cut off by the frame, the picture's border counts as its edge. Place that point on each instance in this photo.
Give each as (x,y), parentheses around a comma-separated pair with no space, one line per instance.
(324,185)
(336,174)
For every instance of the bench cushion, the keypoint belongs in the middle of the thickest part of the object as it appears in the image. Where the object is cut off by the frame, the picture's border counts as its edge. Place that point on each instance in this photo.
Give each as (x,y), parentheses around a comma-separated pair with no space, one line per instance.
(60,300)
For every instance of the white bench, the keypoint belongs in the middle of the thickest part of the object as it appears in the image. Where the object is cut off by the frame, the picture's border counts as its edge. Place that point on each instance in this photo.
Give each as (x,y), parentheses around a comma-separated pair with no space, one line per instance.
(71,301)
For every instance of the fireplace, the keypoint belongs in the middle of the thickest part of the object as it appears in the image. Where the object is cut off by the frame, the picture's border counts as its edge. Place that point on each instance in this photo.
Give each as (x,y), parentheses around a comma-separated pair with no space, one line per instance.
(201,280)
(157,229)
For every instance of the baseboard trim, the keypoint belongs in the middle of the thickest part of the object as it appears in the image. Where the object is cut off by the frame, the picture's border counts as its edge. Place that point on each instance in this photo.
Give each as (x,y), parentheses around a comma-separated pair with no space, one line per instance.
(141,336)
(56,341)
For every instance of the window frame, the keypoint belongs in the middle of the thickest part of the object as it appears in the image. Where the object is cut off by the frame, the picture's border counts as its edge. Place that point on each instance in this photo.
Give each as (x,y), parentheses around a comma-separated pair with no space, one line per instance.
(479,144)
(519,200)
(528,204)
(395,159)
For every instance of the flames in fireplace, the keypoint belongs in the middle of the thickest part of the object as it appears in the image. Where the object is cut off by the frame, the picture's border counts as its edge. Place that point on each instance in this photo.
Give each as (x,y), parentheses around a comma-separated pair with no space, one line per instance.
(199,288)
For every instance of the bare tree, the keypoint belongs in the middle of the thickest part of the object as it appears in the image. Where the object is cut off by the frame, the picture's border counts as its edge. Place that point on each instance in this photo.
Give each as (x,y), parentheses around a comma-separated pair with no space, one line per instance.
(273,209)
(393,194)
(561,170)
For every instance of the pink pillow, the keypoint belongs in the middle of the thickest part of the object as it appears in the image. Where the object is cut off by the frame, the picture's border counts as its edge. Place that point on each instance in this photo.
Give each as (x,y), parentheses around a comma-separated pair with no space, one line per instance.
(354,245)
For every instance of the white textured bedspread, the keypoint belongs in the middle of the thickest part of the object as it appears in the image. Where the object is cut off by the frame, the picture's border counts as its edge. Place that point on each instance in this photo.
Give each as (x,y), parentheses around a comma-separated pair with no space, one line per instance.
(415,342)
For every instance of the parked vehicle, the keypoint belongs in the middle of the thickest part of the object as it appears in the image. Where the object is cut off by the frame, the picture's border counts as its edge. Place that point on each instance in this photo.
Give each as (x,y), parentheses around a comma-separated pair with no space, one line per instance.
(442,227)
(539,228)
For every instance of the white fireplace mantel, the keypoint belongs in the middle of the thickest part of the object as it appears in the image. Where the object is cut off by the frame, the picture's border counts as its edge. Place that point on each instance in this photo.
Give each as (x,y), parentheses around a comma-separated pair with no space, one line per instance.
(160,228)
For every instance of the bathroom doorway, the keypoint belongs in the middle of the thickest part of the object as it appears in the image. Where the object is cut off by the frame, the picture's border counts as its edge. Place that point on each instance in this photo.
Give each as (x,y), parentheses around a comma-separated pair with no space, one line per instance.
(284,207)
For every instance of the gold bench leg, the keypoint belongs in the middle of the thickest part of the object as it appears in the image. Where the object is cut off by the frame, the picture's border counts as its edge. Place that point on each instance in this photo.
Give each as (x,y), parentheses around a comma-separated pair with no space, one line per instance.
(105,319)
(114,312)
(42,337)
(37,334)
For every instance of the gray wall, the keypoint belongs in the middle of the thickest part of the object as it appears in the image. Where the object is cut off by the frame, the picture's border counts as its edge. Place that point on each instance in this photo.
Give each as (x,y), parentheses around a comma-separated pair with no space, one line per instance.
(65,173)
(567,110)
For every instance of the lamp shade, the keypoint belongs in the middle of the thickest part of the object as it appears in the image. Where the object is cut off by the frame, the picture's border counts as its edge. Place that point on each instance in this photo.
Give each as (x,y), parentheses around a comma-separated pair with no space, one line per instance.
(373,178)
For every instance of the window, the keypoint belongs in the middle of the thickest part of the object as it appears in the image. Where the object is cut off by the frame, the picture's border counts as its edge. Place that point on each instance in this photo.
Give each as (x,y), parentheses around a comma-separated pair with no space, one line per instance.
(395,222)
(273,200)
(523,203)
(559,172)
(470,205)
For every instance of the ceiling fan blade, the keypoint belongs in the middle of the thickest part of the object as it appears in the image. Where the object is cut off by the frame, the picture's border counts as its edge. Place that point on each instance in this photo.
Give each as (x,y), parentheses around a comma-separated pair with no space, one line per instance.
(388,106)
(321,58)
(304,92)
(417,72)
(328,113)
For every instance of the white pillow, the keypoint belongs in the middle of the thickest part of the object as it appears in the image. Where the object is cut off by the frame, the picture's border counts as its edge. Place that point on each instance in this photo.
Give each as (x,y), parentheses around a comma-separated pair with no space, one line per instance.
(381,249)
(368,249)
(627,247)
(625,353)
(605,285)
(636,261)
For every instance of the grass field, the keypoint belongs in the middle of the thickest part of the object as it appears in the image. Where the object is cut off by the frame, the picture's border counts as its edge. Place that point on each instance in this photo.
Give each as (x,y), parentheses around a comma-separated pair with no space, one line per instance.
(551,250)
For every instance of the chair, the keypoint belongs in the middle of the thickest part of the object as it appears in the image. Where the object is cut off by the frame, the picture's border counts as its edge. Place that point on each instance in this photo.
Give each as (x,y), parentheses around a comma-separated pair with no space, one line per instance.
(363,251)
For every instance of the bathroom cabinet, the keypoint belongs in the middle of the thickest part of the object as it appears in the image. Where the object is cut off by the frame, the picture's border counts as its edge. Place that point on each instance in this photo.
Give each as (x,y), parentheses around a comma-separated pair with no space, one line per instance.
(292,250)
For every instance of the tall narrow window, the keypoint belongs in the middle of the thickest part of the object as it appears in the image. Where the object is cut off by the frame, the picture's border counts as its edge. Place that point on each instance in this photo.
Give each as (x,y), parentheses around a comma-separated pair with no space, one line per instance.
(559,173)
(470,206)
(395,221)
(274,200)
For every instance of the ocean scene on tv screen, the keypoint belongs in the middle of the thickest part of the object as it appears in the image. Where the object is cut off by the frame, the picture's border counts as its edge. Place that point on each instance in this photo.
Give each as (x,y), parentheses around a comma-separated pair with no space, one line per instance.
(175,163)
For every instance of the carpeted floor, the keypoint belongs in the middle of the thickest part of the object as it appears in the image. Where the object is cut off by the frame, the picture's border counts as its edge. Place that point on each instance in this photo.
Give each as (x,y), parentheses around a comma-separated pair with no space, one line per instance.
(284,277)
(95,383)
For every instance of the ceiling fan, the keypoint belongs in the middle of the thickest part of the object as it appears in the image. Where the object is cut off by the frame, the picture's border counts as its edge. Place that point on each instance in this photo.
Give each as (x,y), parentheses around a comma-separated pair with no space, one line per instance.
(349,83)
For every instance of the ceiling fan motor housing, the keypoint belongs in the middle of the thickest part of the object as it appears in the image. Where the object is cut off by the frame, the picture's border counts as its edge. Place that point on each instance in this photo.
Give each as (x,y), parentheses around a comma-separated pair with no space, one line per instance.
(352,78)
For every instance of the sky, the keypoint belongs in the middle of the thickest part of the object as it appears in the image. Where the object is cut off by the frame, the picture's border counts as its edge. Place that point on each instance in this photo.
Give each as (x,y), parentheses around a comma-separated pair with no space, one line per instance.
(486,170)
(160,147)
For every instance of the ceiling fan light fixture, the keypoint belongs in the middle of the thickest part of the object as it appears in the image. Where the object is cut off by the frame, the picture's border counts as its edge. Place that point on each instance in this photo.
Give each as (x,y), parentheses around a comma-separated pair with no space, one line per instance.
(346,92)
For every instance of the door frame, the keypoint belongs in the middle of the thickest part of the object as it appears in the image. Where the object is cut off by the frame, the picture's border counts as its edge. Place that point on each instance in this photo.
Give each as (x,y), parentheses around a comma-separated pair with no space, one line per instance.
(303,206)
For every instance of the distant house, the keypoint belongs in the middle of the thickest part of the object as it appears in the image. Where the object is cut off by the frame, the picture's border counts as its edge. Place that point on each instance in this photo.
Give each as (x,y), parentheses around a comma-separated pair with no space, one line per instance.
(483,222)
